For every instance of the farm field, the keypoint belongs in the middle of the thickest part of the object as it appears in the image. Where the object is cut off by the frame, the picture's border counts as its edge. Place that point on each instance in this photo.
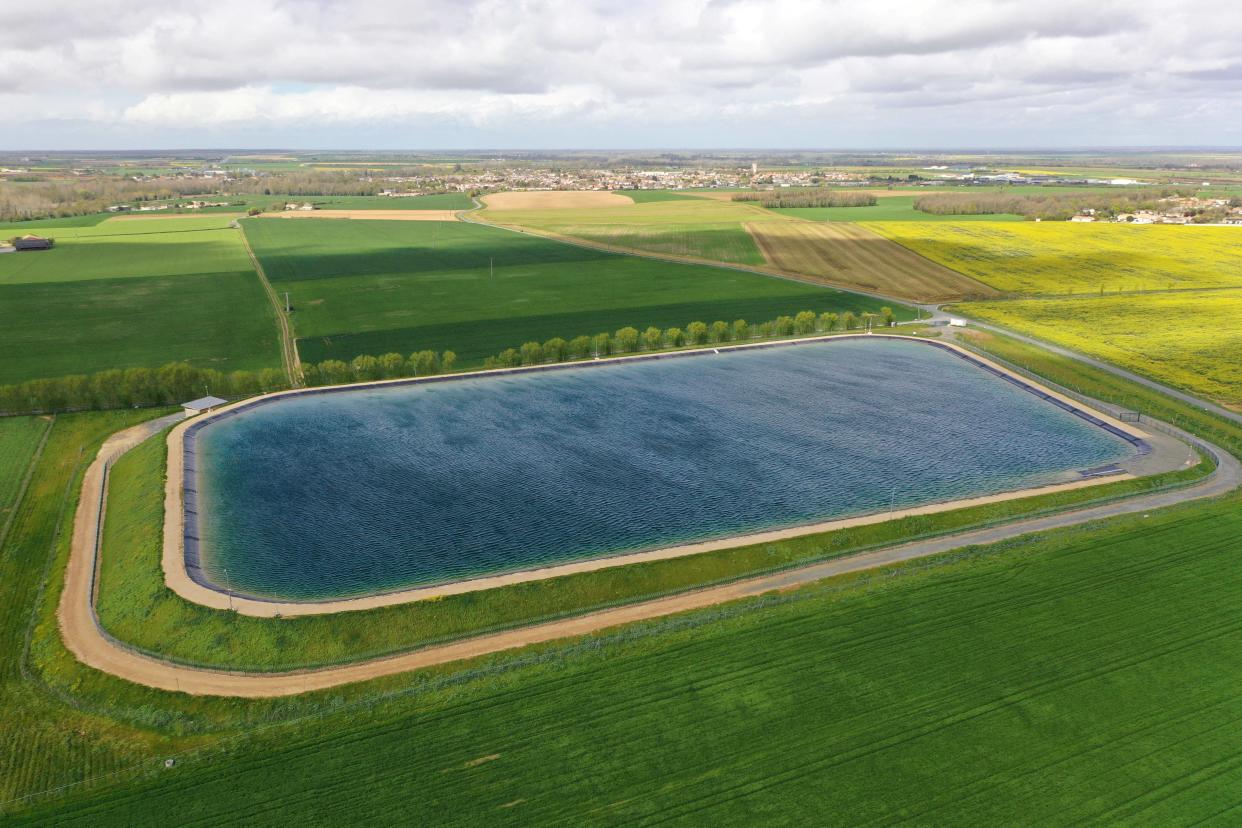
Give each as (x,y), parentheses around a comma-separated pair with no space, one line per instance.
(887,208)
(130,248)
(134,293)
(374,287)
(852,256)
(1188,339)
(648,196)
(687,227)
(1056,664)
(19,438)
(1066,258)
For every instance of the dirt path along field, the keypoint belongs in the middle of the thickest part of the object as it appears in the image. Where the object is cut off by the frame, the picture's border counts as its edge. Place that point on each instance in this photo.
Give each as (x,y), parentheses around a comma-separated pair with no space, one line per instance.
(848,255)
(288,343)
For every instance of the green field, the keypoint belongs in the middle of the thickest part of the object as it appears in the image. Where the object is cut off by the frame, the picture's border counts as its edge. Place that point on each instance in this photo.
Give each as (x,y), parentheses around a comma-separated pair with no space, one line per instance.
(1076,677)
(18,228)
(130,249)
(1188,339)
(887,208)
(1066,258)
(647,196)
(379,286)
(19,438)
(694,227)
(134,293)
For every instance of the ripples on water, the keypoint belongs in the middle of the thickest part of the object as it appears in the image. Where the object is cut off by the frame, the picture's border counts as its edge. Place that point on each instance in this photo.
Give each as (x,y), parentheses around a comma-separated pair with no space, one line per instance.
(373,490)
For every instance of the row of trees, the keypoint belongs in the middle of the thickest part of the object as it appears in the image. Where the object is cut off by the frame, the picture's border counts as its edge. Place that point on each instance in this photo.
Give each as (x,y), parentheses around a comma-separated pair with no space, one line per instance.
(630,340)
(366,368)
(1052,206)
(808,198)
(177,382)
(173,383)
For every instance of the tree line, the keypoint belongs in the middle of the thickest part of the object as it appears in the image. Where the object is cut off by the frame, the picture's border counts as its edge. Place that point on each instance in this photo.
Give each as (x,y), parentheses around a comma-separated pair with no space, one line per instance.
(630,340)
(177,382)
(1051,206)
(367,368)
(808,198)
(173,383)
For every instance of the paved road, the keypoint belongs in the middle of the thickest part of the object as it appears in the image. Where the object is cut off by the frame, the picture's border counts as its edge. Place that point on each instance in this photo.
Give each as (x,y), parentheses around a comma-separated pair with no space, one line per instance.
(83,636)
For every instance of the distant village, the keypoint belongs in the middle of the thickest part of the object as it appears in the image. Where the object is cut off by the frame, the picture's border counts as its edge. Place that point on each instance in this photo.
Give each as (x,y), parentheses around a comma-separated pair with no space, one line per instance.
(1175,210)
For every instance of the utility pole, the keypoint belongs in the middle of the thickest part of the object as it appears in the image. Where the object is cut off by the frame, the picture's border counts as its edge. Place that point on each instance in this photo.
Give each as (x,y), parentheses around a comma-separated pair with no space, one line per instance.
(287,308)
(491,267)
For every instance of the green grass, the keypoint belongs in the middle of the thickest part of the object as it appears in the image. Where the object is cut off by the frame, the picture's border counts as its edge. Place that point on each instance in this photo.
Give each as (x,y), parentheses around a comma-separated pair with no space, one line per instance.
(445,201)
(887,208)
(729,243)
(1088,675)
(19,438)
(216,320)
(647,196)
(377,286)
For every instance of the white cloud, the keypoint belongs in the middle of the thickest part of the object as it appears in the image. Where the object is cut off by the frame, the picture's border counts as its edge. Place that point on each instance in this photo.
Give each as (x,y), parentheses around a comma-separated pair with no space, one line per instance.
(824,70)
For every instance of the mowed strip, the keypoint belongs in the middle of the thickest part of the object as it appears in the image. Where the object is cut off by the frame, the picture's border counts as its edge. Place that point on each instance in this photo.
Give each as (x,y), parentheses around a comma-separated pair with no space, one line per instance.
(854,257)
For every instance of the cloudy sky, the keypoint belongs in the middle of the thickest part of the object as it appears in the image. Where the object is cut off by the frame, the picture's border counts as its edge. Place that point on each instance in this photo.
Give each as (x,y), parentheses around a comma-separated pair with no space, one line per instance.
(79,74)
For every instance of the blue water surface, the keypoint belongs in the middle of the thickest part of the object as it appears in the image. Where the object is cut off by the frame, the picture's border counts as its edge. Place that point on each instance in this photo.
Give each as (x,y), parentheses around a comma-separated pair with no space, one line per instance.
(373,490)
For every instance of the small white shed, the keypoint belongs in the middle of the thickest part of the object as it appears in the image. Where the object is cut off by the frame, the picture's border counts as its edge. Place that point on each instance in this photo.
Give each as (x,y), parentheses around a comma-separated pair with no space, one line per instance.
(201,405)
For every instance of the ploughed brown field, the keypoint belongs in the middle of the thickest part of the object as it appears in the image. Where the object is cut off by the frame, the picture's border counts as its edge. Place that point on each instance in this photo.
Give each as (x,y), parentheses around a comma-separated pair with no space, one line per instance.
(850,256)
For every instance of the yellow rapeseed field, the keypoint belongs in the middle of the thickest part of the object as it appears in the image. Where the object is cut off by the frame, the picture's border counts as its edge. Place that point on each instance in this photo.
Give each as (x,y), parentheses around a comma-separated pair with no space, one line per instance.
(1068,258)
(1190,339)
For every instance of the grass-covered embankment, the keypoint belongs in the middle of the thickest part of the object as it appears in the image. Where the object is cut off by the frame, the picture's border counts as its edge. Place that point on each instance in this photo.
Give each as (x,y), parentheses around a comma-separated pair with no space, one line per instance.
(136,607)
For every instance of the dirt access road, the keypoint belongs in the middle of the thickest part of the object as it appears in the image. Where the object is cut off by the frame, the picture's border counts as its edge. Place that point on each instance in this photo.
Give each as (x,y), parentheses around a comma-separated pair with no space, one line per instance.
(87,641)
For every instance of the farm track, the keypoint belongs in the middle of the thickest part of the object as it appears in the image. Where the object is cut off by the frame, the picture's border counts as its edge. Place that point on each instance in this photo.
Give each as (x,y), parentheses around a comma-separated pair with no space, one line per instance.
(290,361)
(84,637)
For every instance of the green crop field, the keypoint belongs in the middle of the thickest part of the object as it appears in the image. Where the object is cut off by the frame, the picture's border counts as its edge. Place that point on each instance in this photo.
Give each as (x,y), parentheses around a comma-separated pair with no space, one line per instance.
(1188,339)
(687,226)
(379,286)
(37,226)
(1086,675)
(1067,258)
(647,196)
(134,293)
(19,438)
(887,208)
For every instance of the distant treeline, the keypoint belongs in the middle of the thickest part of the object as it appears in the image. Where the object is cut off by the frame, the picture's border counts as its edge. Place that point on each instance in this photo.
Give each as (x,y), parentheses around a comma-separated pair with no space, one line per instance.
(60,199)
(630,340)
(173,383)
(1051,206)
(808,198)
